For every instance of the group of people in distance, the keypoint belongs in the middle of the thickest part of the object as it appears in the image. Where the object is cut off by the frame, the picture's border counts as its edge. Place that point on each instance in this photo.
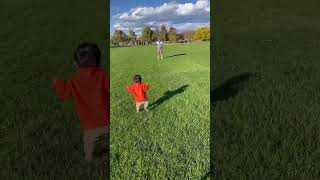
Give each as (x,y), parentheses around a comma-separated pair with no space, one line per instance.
(89,86)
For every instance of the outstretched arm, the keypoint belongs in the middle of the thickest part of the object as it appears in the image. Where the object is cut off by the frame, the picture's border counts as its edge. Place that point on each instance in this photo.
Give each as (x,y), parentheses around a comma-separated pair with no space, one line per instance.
(63,89)
(129,89)
(146,87)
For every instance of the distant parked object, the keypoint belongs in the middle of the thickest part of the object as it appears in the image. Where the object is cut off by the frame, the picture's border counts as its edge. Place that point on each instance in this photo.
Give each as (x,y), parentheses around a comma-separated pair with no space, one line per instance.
(184,41)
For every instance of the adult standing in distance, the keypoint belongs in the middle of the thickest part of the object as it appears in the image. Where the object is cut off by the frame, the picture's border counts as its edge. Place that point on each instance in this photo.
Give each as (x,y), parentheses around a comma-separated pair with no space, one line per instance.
(159,45)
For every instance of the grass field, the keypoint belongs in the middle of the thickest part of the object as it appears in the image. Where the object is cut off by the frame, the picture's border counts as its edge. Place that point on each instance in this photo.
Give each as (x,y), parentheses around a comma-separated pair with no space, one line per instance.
(40,136)
(266,90)
(171,140)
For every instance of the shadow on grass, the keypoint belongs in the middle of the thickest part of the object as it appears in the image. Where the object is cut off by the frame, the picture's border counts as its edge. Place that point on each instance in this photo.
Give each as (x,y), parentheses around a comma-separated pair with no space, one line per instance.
(167,95)
(206,176)
(229,88)
(224,91)
(175,55)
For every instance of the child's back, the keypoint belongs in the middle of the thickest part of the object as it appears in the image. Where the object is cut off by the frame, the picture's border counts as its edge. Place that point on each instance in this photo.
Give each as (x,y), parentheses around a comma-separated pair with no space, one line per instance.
(138,90)
(88,86)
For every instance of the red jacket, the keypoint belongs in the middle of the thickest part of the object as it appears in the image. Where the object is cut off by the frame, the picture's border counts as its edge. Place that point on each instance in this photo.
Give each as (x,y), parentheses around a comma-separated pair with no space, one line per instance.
(90,87)
(138,90)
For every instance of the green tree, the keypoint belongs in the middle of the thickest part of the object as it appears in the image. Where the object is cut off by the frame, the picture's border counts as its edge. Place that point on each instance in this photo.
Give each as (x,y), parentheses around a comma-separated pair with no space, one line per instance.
(172,34)
(188,35)
(132,36)
(119,36)
(163,33)
(156,34)
(202,34)
(180,36)
(147,34)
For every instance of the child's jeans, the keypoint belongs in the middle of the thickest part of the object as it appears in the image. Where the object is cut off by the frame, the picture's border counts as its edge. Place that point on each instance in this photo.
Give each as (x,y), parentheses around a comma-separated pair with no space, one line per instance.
(138,104)
(95,142)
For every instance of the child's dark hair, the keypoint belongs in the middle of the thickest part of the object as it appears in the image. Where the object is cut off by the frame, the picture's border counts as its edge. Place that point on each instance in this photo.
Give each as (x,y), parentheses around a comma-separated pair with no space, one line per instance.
(137,78)
(87,55)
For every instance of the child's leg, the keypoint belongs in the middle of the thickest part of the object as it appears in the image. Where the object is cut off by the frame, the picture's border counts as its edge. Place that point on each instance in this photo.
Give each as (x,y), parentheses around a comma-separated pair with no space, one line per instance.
(158,53)
(101,141)
(138,104)
(88,142)
(146,105)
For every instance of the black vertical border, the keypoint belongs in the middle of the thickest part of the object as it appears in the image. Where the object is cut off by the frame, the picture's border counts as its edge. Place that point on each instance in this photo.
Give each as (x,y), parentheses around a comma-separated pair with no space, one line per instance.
(107,57)
(213,57)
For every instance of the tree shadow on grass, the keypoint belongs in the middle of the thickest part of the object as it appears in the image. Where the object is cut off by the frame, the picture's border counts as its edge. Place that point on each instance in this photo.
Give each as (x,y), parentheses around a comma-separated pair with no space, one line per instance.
(176,55)
(167,95)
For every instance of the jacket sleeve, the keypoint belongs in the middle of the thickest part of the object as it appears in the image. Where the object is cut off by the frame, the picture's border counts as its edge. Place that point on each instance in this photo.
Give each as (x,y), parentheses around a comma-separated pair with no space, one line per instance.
(129,89)
(63,89)
(146,87)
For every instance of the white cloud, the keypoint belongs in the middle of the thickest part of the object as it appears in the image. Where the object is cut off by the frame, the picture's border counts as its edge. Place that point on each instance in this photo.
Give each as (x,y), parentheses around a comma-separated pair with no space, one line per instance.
(190,26)
(187,16)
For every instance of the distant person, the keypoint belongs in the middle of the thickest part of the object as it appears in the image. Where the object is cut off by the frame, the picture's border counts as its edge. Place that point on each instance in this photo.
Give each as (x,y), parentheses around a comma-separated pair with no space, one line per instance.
(159,45)
(138,90)
(89,87)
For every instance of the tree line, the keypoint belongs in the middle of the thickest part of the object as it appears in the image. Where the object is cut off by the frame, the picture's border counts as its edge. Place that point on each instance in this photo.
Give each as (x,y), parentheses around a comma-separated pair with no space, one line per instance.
(148,35)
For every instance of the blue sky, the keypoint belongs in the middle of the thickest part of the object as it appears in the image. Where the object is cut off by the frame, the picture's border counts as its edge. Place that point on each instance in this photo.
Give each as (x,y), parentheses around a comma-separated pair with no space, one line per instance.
(183,14)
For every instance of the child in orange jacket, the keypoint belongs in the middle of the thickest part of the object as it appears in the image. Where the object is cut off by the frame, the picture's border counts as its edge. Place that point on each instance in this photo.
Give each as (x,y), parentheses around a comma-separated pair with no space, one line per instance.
(90,88)
(138,90)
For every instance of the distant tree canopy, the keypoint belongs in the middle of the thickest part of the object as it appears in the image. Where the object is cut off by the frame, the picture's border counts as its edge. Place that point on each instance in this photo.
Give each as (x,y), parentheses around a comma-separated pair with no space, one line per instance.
(172,34)
(132,36)
(202,34)
(156,34)
(147,34)
(163,33)
(119,36)
(188,34)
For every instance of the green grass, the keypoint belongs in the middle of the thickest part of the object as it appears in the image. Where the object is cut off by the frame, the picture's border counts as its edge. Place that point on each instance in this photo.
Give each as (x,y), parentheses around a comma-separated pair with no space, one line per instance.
(266,90)
(40,136)
(171,140)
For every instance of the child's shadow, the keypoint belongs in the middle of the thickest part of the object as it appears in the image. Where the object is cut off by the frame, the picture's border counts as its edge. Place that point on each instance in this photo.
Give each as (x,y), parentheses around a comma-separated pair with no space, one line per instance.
(167,95)
(229,88)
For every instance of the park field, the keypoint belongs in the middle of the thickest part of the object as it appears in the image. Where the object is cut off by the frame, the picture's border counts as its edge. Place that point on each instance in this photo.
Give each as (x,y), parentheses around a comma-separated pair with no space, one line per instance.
(172,139)
(265,96)
(40,136)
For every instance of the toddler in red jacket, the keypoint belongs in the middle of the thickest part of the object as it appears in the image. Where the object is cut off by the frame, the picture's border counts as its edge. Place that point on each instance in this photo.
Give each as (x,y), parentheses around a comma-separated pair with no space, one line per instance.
(89,87)
(138,90)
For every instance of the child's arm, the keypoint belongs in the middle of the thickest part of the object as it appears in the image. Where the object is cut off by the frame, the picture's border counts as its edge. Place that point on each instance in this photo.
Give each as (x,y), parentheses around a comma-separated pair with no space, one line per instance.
(129,89)
(146,87)
(63,89)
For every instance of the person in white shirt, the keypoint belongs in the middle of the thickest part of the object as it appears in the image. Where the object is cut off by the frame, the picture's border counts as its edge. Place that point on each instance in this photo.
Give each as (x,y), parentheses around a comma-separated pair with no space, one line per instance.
(159,45)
